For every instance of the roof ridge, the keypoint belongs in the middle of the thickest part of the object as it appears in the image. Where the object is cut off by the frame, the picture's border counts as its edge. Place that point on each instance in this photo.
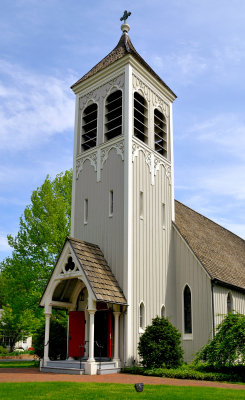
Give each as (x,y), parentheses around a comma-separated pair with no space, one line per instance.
(216,223)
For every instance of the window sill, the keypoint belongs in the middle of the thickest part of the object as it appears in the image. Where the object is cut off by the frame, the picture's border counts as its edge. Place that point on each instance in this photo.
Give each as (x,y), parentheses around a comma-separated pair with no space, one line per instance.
(141,330)
(142,218)
(110,216)
(187,336)
(85,223)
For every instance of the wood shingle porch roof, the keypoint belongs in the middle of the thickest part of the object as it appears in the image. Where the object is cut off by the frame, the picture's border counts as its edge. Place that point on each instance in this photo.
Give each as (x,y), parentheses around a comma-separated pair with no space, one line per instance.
(101,279)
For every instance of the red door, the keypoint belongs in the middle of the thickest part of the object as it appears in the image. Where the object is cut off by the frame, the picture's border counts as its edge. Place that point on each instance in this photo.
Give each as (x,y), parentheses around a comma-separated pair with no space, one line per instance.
(109,334)
(76,333)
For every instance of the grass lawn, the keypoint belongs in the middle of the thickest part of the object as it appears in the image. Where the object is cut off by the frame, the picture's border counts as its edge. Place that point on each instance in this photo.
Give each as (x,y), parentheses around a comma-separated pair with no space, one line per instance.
(19,364)
(93,391)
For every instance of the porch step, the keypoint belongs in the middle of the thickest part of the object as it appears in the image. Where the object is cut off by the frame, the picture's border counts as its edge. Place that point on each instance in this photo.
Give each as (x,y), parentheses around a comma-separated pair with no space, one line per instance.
(60,370)
(107,368)
(105,371)
(66,364)
(75,368)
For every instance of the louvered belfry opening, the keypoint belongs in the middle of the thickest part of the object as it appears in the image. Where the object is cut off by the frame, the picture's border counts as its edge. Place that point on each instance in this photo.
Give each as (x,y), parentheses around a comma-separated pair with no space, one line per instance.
(160,133)
(113,115)
(140,117)
(89,126)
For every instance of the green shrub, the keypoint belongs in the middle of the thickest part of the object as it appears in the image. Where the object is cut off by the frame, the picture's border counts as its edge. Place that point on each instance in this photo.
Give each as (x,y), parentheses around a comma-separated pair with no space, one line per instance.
(227,348)
(160,345)
(187,372)
(3,351)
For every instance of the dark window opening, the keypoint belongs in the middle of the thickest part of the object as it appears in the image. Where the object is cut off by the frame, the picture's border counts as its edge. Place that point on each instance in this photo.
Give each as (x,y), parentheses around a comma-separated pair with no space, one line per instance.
(229,303)
(160,133)
(89,127)
(140,117)
(113,115)
(187,310)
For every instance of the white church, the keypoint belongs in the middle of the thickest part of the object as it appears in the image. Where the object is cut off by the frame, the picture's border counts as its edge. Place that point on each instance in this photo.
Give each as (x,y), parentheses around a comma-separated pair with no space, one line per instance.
(134,252)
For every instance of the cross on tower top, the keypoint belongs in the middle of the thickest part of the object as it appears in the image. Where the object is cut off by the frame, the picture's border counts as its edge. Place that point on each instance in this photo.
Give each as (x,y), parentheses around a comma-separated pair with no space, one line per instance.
(125,16)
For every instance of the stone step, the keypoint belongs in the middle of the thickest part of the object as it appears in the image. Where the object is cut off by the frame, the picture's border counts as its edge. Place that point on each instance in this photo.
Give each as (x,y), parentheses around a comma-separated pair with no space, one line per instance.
(66,364)
(106,371)
(60,370)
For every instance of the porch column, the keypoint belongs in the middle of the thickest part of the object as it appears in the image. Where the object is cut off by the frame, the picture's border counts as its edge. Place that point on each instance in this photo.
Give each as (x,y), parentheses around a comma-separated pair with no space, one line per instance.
(91,336)
(46,340)
(90,365)
(116,337)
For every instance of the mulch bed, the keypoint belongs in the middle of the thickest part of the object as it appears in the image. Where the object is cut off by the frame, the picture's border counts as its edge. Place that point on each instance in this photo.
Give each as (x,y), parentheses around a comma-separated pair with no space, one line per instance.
(34,375)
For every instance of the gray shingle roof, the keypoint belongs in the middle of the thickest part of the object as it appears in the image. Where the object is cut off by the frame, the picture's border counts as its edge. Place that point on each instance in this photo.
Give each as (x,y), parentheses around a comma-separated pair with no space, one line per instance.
(221,252)
(123,48)
(97,271)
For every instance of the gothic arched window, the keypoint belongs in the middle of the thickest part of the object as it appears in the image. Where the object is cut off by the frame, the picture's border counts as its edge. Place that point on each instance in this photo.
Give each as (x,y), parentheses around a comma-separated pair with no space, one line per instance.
(113,115)
(140,117)
(160,133)
(229,303)
(187,310)
(89,126)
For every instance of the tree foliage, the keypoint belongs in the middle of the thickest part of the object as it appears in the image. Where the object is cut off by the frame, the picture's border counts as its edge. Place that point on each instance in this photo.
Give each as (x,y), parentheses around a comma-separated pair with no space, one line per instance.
(42,231)
(160,345)
(227,348)
(57,337)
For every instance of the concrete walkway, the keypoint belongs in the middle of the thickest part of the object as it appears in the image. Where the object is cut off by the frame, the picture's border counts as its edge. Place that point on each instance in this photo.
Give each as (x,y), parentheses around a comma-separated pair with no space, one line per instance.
(34,375)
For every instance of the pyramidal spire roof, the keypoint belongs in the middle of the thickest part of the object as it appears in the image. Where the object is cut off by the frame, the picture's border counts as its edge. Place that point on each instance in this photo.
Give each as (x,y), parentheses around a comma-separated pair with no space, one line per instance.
(123,48)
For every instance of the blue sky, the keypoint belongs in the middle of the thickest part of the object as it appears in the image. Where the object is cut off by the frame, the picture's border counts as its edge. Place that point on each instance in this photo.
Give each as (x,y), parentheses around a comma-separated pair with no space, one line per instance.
(198,49)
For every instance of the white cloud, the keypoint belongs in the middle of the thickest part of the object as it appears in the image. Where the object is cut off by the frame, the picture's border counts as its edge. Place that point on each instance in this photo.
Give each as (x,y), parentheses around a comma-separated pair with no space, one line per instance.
(182,66)
(33,107)
(226,130)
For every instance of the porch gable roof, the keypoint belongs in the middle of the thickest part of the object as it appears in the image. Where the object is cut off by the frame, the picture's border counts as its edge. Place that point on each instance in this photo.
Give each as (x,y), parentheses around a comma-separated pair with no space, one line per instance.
(101,279)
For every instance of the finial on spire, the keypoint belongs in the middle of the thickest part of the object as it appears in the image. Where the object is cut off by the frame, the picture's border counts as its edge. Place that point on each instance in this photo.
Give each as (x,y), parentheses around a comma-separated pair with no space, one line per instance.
(125,16)
(125,27)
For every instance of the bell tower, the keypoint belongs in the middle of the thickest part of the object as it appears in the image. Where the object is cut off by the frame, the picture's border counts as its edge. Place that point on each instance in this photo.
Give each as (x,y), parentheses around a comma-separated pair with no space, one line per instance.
(122,196)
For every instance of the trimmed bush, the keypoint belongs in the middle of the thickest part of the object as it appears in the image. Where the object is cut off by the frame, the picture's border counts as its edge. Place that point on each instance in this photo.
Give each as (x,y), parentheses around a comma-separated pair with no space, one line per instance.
(187,372)
(160,345)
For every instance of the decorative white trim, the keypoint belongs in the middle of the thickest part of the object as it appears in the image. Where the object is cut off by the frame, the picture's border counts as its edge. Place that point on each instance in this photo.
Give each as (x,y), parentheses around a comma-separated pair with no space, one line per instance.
(98,156)
(152,160)
(92,157)
(101,91)
(150,95)
(119,147)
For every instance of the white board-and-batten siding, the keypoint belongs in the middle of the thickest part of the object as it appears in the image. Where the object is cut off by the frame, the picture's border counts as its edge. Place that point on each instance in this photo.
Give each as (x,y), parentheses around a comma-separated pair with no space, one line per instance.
(102,229)
(190,272)
(151,243)
(220,302)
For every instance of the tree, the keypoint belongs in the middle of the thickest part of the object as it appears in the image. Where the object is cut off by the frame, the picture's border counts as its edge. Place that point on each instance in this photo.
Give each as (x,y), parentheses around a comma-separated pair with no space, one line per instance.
(15,326)
(57,337)
(42,231)
(227,348)
(160,345)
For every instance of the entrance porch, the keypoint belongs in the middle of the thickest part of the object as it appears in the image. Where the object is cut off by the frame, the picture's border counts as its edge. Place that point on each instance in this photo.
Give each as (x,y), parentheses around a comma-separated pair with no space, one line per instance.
(84,285)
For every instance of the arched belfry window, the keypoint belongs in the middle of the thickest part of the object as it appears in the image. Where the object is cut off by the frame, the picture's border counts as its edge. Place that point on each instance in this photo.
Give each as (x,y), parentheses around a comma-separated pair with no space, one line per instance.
(140,117)
(142,317)
(160,133)
(229,303)
(187,310)
(89,126)
(113,115)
